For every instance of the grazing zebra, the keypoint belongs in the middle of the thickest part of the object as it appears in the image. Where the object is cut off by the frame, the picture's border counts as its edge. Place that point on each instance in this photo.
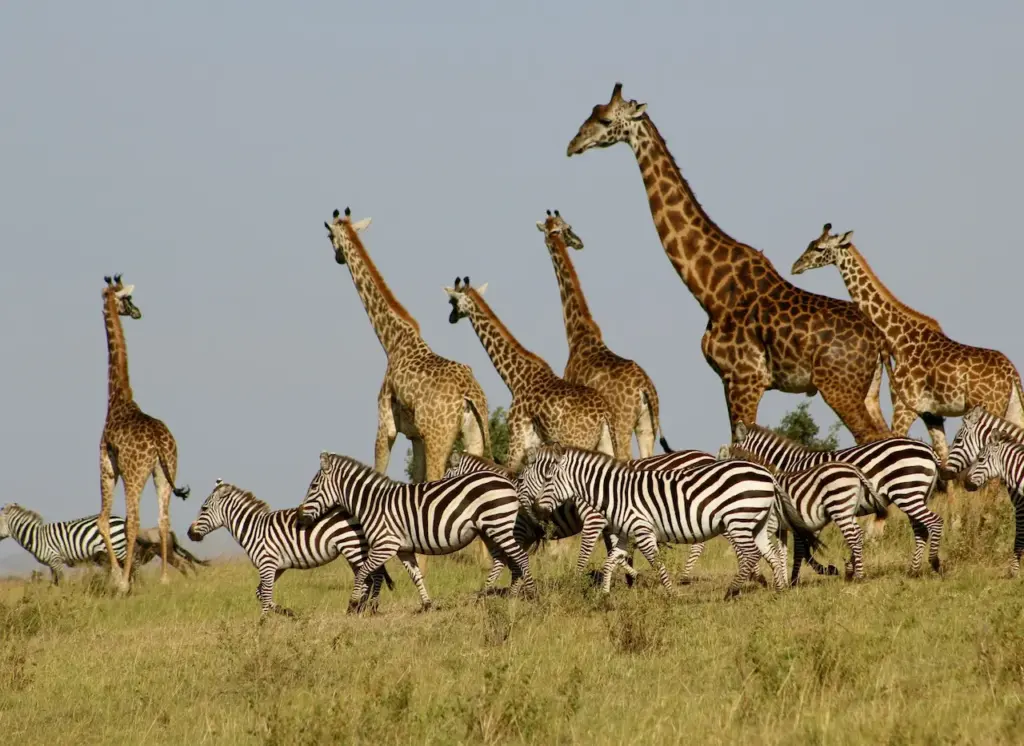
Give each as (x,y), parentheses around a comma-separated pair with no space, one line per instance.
(730,497)
(427,518)
(974,432)
(276,541)
(832,491)
(1003,456)
(61,544)
(903,471)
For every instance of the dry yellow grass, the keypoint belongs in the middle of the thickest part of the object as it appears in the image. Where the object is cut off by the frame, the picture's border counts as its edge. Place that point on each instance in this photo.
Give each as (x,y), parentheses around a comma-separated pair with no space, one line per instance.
(891,660)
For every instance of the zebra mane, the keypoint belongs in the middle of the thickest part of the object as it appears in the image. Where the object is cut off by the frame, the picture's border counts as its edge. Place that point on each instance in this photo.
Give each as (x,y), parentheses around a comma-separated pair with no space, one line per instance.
(773,436)
(350,464)
(1001,425)
(741,453)
(247,497)
(486,464)
(13,509)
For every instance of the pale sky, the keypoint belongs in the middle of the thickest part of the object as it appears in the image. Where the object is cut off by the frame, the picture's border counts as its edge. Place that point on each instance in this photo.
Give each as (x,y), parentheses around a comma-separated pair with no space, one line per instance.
(198,148)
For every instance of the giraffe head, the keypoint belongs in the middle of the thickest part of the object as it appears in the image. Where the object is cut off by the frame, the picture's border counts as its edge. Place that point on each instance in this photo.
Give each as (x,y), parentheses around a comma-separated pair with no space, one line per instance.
(461,298)
(342,232)
(122,295)
(555,224)
(617,121)
(823,251)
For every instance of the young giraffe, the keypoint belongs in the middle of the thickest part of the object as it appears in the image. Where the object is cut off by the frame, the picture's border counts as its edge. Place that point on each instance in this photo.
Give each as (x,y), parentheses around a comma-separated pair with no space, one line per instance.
(763,332)
(545,408)
(426,397)
(629,391)
(133,445)
(933,375)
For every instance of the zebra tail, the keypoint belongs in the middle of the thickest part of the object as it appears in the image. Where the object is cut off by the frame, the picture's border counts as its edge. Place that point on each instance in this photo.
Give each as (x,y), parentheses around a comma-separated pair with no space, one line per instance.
(792,517)
(387,579)
(182,492)
(882,512)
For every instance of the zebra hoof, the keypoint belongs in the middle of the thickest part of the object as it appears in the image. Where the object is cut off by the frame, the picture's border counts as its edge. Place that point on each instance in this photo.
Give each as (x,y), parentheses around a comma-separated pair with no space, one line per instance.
(354,607)
(428,606)
(936,564)
(596,577)
(831,570)
(732,594)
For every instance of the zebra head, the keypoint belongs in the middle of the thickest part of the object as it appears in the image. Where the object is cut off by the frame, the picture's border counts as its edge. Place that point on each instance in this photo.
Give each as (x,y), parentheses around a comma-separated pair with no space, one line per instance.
(990,460)
(538,465)
(967,443)
(211,513)
(557,480)
(323,493)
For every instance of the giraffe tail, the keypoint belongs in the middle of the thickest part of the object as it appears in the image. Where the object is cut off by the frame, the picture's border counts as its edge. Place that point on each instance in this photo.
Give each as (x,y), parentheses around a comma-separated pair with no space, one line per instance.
(182,492)
(664,444)
(477,401)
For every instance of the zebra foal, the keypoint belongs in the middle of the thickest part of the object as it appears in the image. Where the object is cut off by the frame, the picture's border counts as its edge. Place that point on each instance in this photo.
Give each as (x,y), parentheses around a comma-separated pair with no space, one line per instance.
(427,518)
(730,497)
(275,541)
(1002,456)
(975,431)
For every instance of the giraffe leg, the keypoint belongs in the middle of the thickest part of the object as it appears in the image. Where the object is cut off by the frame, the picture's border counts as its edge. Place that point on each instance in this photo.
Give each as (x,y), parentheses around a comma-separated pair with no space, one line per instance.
(108,481)
(873,401)
(848,406)
(133,486)
(386,430)
(519,430)
(163,496)
(472,431)
(644,429)
(743,399)
(937,432)
(419,460)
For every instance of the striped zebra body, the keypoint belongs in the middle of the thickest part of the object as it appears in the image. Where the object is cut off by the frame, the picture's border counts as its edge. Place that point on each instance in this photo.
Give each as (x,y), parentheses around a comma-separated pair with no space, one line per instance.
(903,471)
(427,518)
(64,543)
(1003,457)
(697,504)
(568,518)
(274,541)
(975,430)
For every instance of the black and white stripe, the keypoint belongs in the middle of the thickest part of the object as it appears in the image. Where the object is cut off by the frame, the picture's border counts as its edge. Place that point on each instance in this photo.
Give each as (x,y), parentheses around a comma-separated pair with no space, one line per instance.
(428,518)
(63,543)
(1002,456)
(275,541)
(975,429)
(730,497)
(903,471)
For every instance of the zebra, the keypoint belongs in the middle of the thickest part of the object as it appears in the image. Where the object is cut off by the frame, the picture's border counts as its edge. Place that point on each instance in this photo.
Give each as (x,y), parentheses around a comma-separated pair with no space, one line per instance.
(67,543)
(832,491)
(903,471)
(1003,456)
(275,540)
(438,517)
(730,497)
(975,429)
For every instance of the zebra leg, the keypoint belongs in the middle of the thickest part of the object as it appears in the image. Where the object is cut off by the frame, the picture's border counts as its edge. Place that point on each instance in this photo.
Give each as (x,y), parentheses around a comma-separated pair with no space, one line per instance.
(647,543)
(611,562)
(762,540)
(747,556)
(265,592)
(55,574)
(492,577)
(854,538)
(696,550)
(505,549)
(800,553)
(610,542)
(1018,537)
(412,567)
(375,559)
(927,527)
(593,526)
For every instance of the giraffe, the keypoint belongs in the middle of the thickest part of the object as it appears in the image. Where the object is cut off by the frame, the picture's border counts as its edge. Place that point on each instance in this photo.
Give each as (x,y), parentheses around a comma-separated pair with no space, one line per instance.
(133,445)
(629,391)
(424,396)
(933,375)
(763,332)
(545,408)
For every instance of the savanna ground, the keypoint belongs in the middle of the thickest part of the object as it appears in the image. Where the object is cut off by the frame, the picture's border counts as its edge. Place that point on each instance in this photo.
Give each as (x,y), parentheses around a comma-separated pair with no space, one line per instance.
(891,660)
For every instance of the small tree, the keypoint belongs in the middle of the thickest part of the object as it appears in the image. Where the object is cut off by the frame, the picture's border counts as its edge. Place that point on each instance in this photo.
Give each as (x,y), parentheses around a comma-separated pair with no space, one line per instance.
(497,424)
(799,425)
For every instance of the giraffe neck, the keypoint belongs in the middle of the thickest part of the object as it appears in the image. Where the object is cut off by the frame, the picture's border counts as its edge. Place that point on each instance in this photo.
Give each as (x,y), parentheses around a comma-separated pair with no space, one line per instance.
(516,365)
(720,272)
(875,301)
(119,390)
(580,328)
(396,329)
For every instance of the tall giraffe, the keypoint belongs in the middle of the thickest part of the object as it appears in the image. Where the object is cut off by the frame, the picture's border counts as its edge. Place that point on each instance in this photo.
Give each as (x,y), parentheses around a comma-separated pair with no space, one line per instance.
(544,408)
(133,445)
(629,391)
(426,397)
(933,375)
(763,332)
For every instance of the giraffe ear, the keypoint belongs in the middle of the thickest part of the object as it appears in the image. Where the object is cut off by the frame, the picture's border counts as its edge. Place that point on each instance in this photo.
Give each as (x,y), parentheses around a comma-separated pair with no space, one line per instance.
(638,110)
(847,239)
(360,225)
(482,289)
(540,226)
(126,290)
(450,291)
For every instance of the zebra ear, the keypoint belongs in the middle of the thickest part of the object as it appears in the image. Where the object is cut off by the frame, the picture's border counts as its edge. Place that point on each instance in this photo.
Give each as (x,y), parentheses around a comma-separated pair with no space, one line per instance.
(529,455)
(324,459)
(724,453)
(739,432)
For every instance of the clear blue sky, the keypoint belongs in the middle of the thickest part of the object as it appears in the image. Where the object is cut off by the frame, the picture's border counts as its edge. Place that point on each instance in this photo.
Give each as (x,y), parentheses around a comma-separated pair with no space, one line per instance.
(198,148)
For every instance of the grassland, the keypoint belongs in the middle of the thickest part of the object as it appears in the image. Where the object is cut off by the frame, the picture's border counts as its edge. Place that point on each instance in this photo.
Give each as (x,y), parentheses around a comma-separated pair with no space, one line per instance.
(892,660)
